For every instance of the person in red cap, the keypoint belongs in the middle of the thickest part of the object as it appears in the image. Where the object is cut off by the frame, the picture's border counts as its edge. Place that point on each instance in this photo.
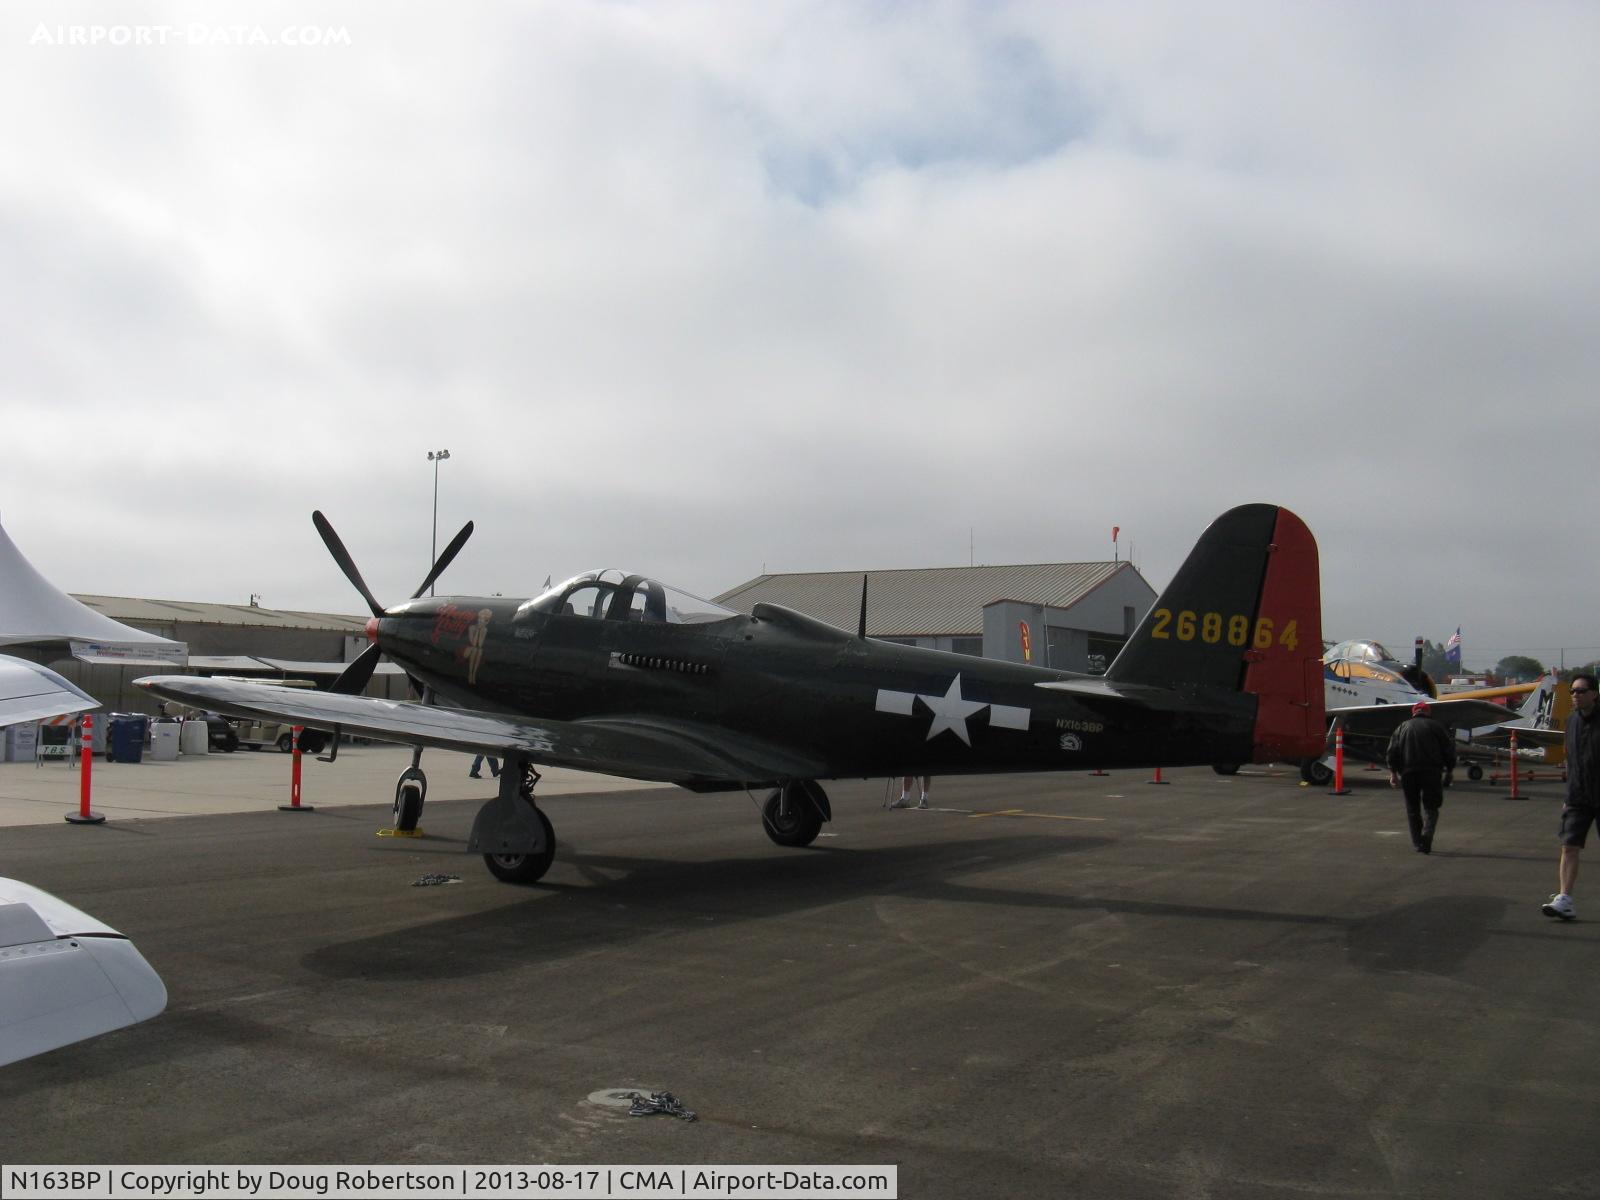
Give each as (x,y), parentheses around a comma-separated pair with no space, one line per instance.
(1422,755)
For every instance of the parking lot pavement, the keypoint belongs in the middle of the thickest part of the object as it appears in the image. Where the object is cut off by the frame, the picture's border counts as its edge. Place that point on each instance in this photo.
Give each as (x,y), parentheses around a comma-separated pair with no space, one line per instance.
(1044,985)
(251,781)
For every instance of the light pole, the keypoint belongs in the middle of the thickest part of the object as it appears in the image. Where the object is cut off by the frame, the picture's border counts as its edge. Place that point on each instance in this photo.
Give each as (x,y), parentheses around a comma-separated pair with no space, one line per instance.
(435,457)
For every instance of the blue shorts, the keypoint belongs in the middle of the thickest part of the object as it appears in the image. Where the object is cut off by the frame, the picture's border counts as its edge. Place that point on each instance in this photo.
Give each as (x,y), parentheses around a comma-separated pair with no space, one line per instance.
(1575,822)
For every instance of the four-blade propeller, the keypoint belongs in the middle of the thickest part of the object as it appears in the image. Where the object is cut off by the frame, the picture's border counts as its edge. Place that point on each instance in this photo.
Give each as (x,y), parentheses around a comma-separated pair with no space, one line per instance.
(359,673)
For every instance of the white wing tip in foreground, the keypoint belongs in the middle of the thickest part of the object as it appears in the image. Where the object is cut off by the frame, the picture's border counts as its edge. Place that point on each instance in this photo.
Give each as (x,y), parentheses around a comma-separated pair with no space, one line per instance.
(65,976)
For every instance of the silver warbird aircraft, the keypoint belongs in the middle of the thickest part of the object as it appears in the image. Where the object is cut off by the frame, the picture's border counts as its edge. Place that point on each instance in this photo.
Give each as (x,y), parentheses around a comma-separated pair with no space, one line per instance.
(617,673)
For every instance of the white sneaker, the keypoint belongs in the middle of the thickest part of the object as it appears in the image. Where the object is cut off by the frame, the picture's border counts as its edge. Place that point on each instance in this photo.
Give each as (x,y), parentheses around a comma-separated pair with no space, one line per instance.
(923,803)
(903,802)
(1560,906)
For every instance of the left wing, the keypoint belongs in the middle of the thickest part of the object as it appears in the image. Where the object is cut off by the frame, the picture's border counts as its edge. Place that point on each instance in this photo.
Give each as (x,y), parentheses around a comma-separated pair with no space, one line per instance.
(29,692)
(1381,720)
(1510,689)
(668,751)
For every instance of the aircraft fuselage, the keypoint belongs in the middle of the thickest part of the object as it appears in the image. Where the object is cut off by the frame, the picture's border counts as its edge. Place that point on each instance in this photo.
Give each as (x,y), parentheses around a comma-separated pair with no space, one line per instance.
(863,706)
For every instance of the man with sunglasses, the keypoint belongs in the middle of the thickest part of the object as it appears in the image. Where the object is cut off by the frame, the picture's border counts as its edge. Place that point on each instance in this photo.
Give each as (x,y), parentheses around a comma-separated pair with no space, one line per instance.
(1583,790)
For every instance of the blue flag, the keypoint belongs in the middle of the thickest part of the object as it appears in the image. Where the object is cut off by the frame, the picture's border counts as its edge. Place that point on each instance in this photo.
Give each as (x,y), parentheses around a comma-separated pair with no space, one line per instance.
(1452,649)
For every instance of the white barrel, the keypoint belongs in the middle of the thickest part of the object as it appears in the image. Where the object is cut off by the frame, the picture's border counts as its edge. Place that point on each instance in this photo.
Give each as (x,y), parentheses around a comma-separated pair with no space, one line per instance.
(195,738)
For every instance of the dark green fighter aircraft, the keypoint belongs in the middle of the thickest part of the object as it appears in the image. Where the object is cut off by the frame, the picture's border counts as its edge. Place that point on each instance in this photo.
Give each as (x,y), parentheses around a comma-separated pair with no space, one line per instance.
(620,674)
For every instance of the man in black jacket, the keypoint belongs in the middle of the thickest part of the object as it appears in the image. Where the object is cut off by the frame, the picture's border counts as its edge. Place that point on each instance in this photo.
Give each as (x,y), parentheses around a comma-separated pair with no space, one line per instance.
(1422,754)
(1583,790)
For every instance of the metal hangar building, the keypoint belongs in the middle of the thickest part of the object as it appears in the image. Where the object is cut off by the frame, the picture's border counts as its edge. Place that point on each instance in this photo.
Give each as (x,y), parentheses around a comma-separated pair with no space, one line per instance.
(1071,616)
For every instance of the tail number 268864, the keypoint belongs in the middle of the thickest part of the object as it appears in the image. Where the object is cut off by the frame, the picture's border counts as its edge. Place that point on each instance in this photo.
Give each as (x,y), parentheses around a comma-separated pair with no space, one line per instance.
(1213,628)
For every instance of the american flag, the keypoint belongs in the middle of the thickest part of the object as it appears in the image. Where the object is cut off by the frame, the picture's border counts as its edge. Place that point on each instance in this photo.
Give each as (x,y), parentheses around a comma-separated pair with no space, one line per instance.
(1452,648)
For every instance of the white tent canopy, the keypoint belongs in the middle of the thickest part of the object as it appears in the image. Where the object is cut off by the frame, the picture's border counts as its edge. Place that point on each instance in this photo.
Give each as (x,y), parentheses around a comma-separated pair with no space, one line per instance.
(34,612)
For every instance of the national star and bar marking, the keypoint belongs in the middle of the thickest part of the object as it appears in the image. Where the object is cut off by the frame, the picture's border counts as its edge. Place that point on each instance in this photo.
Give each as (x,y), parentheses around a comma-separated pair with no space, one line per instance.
(952,710)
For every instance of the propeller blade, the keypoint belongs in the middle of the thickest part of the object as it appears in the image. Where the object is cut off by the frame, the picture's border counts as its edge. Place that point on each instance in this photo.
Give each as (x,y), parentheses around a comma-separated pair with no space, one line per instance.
(354,678)
(450,551)
(330,539)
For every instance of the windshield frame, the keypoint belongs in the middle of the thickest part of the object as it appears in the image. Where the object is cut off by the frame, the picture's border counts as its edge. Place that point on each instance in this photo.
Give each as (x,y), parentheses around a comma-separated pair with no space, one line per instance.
(621,596)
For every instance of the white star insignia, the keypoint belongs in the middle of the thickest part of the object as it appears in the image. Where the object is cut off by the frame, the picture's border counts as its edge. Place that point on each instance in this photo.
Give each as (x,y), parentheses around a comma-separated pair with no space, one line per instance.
(950,711)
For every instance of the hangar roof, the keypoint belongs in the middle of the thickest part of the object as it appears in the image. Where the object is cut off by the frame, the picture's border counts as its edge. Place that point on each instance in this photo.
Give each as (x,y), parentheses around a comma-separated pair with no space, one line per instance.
(128,608)
(923,601)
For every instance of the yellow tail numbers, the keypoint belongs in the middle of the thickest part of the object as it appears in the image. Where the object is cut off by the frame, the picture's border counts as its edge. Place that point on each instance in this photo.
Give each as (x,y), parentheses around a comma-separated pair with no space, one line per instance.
(1213,628)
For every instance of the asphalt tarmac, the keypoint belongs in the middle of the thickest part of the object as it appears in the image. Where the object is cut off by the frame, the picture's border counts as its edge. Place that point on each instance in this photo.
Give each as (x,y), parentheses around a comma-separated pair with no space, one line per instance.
(1045,985)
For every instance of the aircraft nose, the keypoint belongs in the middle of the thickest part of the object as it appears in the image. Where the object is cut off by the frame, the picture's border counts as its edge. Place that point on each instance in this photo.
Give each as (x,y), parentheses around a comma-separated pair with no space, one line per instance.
(372,629)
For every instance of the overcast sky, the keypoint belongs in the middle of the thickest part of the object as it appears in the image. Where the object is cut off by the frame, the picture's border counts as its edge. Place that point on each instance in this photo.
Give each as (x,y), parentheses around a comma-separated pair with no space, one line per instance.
(707,289)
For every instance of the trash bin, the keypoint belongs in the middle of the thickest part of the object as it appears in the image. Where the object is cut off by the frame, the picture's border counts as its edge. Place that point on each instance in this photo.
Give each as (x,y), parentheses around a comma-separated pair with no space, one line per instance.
(164,741)
(127,738)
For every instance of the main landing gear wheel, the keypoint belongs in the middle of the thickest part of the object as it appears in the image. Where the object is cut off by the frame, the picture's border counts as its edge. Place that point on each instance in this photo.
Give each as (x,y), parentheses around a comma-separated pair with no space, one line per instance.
(792,815)
(1316,772)
(1225,768)
(525,868)
(409,793)
(1474,772)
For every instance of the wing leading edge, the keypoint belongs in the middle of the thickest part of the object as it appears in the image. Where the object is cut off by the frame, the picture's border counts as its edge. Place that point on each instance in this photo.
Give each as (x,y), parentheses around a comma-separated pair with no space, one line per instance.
(1373,720)
(30,692)
(668,752)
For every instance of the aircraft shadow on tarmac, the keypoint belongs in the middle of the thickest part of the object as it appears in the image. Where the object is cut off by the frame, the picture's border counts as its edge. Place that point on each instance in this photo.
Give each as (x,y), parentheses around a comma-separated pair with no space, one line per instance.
(629,899)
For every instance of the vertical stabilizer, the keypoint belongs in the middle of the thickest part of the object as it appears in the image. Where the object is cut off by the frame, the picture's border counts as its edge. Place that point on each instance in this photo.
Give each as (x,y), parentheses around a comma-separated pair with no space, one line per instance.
(1243,613)
(1549,708)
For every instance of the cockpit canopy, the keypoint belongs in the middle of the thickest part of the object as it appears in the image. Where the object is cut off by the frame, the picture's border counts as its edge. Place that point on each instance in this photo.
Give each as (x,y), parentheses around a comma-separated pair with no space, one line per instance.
(1360,651)
(614,595)
(1372,661)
